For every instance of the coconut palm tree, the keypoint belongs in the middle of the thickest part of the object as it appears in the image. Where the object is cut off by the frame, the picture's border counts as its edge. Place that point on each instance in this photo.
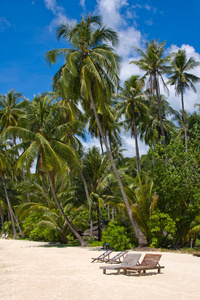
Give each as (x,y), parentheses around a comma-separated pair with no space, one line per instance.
(5,168)
(37,130)
(132,98)
(154,65)
(149,127)
(110,125)
(90,73)
(183,80)
(11,108)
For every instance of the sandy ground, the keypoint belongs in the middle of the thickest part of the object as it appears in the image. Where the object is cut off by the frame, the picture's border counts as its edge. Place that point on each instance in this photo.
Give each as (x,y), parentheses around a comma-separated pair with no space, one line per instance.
(31,271)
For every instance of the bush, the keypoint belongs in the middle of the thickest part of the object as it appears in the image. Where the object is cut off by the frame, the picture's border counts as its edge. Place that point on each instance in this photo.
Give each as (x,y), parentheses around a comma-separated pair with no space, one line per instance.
(162,228)
(41,232)
(30,223)
(116,237)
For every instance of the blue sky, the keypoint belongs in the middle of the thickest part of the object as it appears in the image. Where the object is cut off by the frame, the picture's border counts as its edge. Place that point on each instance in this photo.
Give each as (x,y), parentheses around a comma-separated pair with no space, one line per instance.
(28,30)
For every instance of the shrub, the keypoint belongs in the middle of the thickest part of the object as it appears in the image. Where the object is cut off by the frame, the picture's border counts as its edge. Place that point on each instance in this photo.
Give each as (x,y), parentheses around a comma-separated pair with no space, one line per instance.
(162,228)
(116,237)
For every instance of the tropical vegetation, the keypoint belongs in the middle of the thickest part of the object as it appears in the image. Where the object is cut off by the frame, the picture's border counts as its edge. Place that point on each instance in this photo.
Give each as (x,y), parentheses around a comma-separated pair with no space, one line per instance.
(54,189)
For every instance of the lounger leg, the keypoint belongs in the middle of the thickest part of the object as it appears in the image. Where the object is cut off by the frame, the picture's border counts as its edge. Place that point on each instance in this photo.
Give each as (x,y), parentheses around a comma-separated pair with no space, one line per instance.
(104,271)
(118,271)
(159,271)
(139,272)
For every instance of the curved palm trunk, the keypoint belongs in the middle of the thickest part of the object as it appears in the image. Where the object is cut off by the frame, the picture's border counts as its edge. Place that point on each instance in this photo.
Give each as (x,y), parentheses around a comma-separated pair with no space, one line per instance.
(159,110)
(134,133)
(77,235)
(88,200)
(138,233)
(87,195)
(9,208)
(184,125)
(20,231)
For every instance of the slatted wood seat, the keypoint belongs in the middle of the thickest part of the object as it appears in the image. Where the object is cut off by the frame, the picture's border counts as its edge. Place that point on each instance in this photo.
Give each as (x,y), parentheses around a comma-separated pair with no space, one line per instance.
(131,259)
(117,258)
(149,262)
(102,257)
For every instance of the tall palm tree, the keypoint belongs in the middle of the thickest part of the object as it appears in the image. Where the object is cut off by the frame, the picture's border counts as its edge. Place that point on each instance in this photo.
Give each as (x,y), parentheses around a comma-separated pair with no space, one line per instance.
(90,73)
(183,80)
(132,98)
(96,168)
(5,167)
(154,65)
(37,132)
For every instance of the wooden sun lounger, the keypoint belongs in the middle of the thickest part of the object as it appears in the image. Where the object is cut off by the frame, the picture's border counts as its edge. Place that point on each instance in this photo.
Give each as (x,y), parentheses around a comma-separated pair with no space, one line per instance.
(150,262)
(196,254)
(130,259)
(103,256)
(117,258)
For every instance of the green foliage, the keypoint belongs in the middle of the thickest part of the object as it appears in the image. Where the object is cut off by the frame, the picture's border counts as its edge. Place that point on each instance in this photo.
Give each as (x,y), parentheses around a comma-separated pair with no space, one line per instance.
(95,244)
(162,228)
(116,237)
(30,222)
(176,176)
(8,226)
(38,229)
(42,232)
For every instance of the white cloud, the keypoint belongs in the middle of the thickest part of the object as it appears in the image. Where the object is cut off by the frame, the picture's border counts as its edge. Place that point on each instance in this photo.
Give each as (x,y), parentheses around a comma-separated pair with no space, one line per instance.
(4,23)
(51,5)
(58,12)
(110,11)
(82,3)
(129,144)
(128,38)
(129,69)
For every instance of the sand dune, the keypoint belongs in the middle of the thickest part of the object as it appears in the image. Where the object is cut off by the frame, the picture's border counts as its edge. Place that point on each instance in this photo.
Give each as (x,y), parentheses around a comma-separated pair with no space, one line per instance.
(31,271)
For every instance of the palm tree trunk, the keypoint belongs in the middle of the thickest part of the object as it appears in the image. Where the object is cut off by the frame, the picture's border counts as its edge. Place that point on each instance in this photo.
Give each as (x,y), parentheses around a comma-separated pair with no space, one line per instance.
(134,132)
(184,125)
(89,205)
(99,223)
(77,235)
(138,233)
(159,110)
(20,231)
(87,194)
(9,208)
(109,212)
(24,176)
(113,213)
(2,219)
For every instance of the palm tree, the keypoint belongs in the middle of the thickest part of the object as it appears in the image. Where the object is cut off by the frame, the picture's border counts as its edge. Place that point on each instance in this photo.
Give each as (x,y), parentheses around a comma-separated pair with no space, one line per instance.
(183,80)
(37,132)
(11,108)
(132,99)
(149,127)
(90,73)
(154,65)
(5,167)
(109,122)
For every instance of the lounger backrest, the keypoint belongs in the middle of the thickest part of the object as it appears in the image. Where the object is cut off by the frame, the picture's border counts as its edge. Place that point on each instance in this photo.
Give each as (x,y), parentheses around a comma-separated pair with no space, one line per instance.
(151,259)
(118,255)
(105,254)
(131,259)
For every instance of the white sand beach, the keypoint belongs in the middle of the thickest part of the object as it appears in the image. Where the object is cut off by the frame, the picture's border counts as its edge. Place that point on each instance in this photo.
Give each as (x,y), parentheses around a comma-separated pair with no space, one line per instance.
(32,272)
